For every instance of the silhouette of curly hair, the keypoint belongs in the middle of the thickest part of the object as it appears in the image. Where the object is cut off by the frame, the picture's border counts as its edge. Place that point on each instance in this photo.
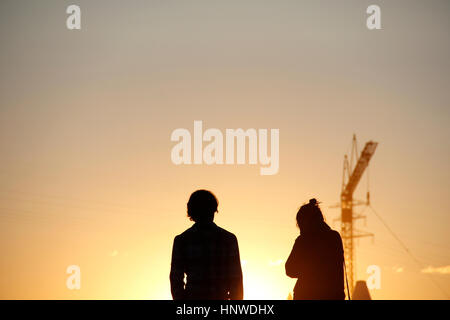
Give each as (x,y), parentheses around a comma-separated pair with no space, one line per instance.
(201,206)
(309,216)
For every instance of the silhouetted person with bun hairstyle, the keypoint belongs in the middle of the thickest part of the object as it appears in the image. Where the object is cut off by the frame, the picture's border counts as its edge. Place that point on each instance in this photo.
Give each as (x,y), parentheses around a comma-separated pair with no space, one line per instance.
(207,254)
(317,258)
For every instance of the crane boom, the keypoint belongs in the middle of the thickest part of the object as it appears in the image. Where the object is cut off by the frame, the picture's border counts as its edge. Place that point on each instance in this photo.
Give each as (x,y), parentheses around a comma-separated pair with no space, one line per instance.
(362,164)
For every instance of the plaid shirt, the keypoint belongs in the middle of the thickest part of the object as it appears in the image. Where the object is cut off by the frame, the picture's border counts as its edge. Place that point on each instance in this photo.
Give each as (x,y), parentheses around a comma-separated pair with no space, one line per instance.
(209,257)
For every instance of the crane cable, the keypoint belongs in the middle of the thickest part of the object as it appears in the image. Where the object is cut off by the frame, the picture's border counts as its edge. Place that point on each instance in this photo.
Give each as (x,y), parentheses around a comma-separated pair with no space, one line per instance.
(417,261)
(346,281)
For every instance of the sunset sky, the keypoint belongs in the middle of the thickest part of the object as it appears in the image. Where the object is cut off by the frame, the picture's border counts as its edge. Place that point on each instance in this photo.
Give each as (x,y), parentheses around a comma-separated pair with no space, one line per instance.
(86,176)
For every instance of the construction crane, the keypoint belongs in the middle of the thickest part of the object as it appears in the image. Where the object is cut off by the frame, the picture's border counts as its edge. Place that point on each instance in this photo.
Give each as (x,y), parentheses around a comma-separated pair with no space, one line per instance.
(351,177)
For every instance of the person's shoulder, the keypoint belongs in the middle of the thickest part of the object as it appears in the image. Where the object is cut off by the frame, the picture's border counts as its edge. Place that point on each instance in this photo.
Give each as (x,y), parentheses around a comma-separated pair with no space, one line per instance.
(184,234)
(335,235)
(299,240)
(226,234)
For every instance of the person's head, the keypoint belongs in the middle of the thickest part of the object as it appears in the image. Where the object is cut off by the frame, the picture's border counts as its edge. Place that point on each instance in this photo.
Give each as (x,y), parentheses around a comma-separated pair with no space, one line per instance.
(202,206)
(309,217)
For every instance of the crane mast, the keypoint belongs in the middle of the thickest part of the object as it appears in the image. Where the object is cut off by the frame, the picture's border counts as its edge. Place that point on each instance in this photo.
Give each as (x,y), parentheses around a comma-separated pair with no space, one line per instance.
(351,178)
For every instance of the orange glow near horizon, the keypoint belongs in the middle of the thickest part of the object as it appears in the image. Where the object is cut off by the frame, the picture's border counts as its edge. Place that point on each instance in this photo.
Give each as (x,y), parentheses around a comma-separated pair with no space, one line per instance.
(86,119)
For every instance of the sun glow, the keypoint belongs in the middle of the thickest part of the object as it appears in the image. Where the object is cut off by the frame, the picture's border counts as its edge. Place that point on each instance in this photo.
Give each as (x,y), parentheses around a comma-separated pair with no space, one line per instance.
(265,283)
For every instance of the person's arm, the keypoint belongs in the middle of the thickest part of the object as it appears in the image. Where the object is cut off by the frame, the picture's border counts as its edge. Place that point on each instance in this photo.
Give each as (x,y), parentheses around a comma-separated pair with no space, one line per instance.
(177,271)
(340,264)
(236,289)
(293,263)
(339,247)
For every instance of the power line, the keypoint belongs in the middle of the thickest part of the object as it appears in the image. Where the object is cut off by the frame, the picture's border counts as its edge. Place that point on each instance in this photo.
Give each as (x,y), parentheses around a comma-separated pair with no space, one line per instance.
(417,261)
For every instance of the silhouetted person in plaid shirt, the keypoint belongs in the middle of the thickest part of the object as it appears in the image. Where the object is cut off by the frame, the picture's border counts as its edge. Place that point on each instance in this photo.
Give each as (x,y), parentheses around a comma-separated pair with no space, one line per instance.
(207,254)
